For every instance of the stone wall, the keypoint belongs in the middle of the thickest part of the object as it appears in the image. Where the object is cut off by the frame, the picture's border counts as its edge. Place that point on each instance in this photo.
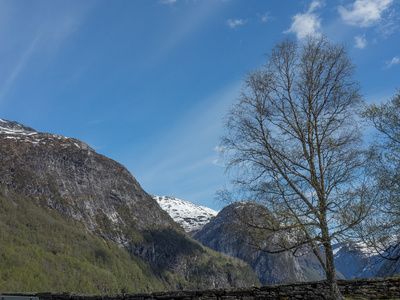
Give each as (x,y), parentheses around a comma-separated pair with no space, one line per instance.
(365,288)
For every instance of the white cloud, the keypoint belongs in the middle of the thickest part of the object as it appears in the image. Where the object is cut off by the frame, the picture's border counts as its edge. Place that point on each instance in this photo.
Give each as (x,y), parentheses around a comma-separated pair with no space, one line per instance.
(315,4)
(234,23)
(364,13)
(395,60)
(266,17)
(308,22)
(361,41)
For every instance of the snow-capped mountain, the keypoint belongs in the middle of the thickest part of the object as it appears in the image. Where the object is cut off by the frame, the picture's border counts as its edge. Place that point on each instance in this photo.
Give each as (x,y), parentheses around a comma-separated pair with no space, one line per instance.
(352,261)
(356,260)
(19,132)
(11,127)
(189,216)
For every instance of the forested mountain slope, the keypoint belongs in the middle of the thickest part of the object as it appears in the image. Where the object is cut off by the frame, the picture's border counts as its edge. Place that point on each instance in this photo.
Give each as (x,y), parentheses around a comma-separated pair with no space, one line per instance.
(65,184)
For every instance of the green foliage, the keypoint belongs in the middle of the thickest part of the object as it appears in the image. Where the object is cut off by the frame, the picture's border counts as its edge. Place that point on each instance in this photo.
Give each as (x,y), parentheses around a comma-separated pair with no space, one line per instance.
(197,267)
(43,251)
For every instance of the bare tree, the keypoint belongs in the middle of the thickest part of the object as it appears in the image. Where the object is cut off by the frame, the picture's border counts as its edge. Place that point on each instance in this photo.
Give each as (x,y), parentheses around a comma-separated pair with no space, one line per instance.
(381,230)
(293,143)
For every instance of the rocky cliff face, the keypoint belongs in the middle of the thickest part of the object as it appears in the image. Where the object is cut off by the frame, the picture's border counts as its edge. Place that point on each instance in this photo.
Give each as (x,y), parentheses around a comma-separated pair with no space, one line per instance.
(270,268)
(189,216)
(67,175)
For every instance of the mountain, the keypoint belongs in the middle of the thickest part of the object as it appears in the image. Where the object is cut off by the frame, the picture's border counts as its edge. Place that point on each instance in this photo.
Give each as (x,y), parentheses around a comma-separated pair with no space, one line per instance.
(189,216)
(43,251)
(356,260)
(212,229)
(353,262)
(65,181)
(219,235)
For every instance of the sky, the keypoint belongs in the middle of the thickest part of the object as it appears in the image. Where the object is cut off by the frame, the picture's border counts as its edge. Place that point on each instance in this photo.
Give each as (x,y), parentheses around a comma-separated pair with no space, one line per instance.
(148,82)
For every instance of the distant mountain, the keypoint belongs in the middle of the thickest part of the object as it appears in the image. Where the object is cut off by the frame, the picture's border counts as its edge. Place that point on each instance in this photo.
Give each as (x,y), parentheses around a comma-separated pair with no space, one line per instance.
(64,179)
(189,216)
(270,268)
(355,260)
(352,262)
(211,228)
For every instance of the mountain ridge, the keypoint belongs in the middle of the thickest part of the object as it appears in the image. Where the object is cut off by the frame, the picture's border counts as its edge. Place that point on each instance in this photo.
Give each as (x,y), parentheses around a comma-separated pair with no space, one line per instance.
(66,175)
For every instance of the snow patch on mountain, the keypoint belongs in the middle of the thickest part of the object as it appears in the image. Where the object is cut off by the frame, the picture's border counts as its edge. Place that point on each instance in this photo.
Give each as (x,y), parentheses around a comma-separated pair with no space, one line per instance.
(12,127)
(189,216)
(16,131)
(355,260)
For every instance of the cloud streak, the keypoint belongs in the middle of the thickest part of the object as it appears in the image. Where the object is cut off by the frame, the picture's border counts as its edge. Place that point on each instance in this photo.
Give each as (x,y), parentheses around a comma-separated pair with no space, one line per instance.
(395,60)
(47,37)
(186,26)
(18,68)
(186,153)
(167,1)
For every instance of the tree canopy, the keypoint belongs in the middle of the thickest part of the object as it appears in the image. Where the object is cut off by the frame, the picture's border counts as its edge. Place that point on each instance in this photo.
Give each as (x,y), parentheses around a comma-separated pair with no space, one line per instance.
(293,145)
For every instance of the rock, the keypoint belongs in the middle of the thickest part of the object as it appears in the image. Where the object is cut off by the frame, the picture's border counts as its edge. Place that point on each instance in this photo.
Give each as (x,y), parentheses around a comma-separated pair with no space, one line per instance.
(270,268)
(67,175)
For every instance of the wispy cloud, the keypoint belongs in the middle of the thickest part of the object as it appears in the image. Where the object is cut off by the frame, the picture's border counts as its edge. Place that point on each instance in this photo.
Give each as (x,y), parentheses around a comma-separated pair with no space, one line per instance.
(56,29)
(18,68)
(236,22)
(187,151)
(167,1)
(361,41)
(390,24)
(186,24)
(49,34)
(307,23)
(395,60)
(364,13)
(266,17)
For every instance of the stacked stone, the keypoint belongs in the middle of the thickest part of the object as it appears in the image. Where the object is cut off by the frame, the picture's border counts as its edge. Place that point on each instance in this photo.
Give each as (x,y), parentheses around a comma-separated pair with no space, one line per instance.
(364,288)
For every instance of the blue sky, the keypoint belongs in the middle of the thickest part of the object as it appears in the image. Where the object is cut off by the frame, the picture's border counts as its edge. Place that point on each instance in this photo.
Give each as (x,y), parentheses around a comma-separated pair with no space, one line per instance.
(147,82)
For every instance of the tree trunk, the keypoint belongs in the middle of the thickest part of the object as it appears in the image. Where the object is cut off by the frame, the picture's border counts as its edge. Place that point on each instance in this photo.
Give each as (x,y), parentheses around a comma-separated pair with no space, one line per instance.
(335,293)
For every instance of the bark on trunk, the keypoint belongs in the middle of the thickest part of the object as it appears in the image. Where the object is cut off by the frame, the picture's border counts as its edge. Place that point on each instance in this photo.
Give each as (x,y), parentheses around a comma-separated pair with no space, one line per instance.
(335,293)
